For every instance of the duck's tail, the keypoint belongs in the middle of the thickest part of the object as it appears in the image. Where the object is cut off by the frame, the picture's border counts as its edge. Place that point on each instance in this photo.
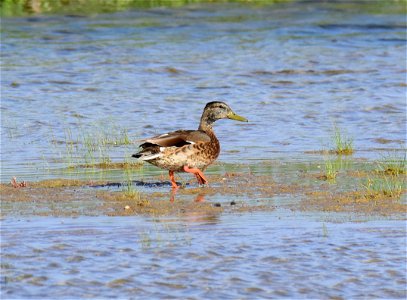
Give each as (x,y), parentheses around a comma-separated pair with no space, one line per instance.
(147,153)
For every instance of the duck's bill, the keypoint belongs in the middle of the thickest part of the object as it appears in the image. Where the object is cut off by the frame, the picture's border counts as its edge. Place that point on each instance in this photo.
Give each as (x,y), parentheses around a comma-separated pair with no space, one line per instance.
(236,117)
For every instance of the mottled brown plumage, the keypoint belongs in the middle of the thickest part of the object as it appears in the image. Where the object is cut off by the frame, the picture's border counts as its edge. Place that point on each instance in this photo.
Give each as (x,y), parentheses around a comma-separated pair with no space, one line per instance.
(188,150)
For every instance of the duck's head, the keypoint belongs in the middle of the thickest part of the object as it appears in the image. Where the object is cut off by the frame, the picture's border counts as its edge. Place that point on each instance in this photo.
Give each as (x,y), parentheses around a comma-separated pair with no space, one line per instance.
(217,110)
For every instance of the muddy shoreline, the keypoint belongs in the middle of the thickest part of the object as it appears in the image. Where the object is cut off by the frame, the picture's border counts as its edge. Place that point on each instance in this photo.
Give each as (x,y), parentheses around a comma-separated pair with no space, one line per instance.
(231,192)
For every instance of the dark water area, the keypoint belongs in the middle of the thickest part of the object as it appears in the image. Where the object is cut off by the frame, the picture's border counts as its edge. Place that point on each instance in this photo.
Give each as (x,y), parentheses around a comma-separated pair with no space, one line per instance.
(295,70)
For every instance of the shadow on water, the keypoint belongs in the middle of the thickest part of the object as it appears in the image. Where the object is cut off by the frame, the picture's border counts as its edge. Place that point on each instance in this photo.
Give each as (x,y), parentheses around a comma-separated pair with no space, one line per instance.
(139,183)
(158,184)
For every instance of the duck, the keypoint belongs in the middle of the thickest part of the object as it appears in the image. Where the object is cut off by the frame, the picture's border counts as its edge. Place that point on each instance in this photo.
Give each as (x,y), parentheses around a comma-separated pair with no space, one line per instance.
(190,151)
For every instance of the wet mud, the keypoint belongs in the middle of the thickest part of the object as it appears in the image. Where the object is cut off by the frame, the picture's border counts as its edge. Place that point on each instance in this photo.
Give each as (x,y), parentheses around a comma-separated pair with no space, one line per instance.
(353,202)
(63,197)
(229,192)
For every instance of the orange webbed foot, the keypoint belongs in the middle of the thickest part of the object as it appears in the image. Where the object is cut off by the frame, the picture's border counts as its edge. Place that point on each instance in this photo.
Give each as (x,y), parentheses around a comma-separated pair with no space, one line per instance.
(198,174)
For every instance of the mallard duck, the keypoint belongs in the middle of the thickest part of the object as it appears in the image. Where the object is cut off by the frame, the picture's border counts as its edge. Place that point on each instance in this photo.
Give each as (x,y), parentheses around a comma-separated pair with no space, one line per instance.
(188,151)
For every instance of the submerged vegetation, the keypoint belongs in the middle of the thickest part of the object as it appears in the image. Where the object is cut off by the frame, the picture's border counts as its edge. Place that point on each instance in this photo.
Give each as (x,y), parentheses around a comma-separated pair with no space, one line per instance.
(92,147)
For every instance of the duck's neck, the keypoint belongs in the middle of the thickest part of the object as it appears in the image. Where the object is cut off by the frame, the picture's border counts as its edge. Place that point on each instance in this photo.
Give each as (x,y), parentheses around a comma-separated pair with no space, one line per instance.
(206,122)
(206,126)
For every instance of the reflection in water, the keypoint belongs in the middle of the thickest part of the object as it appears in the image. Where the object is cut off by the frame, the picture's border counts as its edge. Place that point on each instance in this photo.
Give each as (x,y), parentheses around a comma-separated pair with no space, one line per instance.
(173,193)
(199,198)
(206,215)
(209,218)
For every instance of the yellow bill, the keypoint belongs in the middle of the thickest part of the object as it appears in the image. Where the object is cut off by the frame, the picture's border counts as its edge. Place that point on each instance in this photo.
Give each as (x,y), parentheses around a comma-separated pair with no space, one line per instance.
(236,117)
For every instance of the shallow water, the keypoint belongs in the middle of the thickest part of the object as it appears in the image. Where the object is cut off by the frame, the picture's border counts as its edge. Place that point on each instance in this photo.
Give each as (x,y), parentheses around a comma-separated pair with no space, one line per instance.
(245,256)
(294,70)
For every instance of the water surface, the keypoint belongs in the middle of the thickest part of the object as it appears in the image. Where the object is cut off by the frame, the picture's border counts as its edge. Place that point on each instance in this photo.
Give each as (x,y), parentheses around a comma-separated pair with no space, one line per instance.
(293,69)
(271,255)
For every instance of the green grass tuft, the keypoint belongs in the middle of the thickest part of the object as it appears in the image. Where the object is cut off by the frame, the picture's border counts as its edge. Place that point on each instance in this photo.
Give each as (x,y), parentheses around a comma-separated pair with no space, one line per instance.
(393,163)
(92,146)
(128,189)
(388,178)
(343,144)
(390,186)
(331,169)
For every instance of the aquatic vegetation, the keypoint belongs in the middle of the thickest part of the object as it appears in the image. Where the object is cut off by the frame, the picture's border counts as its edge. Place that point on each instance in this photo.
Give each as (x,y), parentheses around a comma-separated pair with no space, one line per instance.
(393,163)
(388,178)
(343,144)
(129,197)
(371,193)
(388,185)
(70,148)
(92,146)
(332,166)
(352,202)
(129,190)
(364,190)
(331,169)
(340,144)
(112,165)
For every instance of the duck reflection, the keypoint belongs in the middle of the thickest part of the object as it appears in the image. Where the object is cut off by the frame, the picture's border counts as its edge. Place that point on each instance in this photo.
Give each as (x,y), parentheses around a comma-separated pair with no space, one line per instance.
(199,198)
(197,211)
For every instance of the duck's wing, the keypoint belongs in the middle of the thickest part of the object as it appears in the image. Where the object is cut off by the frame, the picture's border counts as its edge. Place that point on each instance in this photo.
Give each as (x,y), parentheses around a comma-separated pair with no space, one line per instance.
(152,148)
(177,138)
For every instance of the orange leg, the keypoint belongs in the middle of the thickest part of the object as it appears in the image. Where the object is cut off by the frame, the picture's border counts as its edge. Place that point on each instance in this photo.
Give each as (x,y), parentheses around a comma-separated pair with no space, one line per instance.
(173,183)
(198,174)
